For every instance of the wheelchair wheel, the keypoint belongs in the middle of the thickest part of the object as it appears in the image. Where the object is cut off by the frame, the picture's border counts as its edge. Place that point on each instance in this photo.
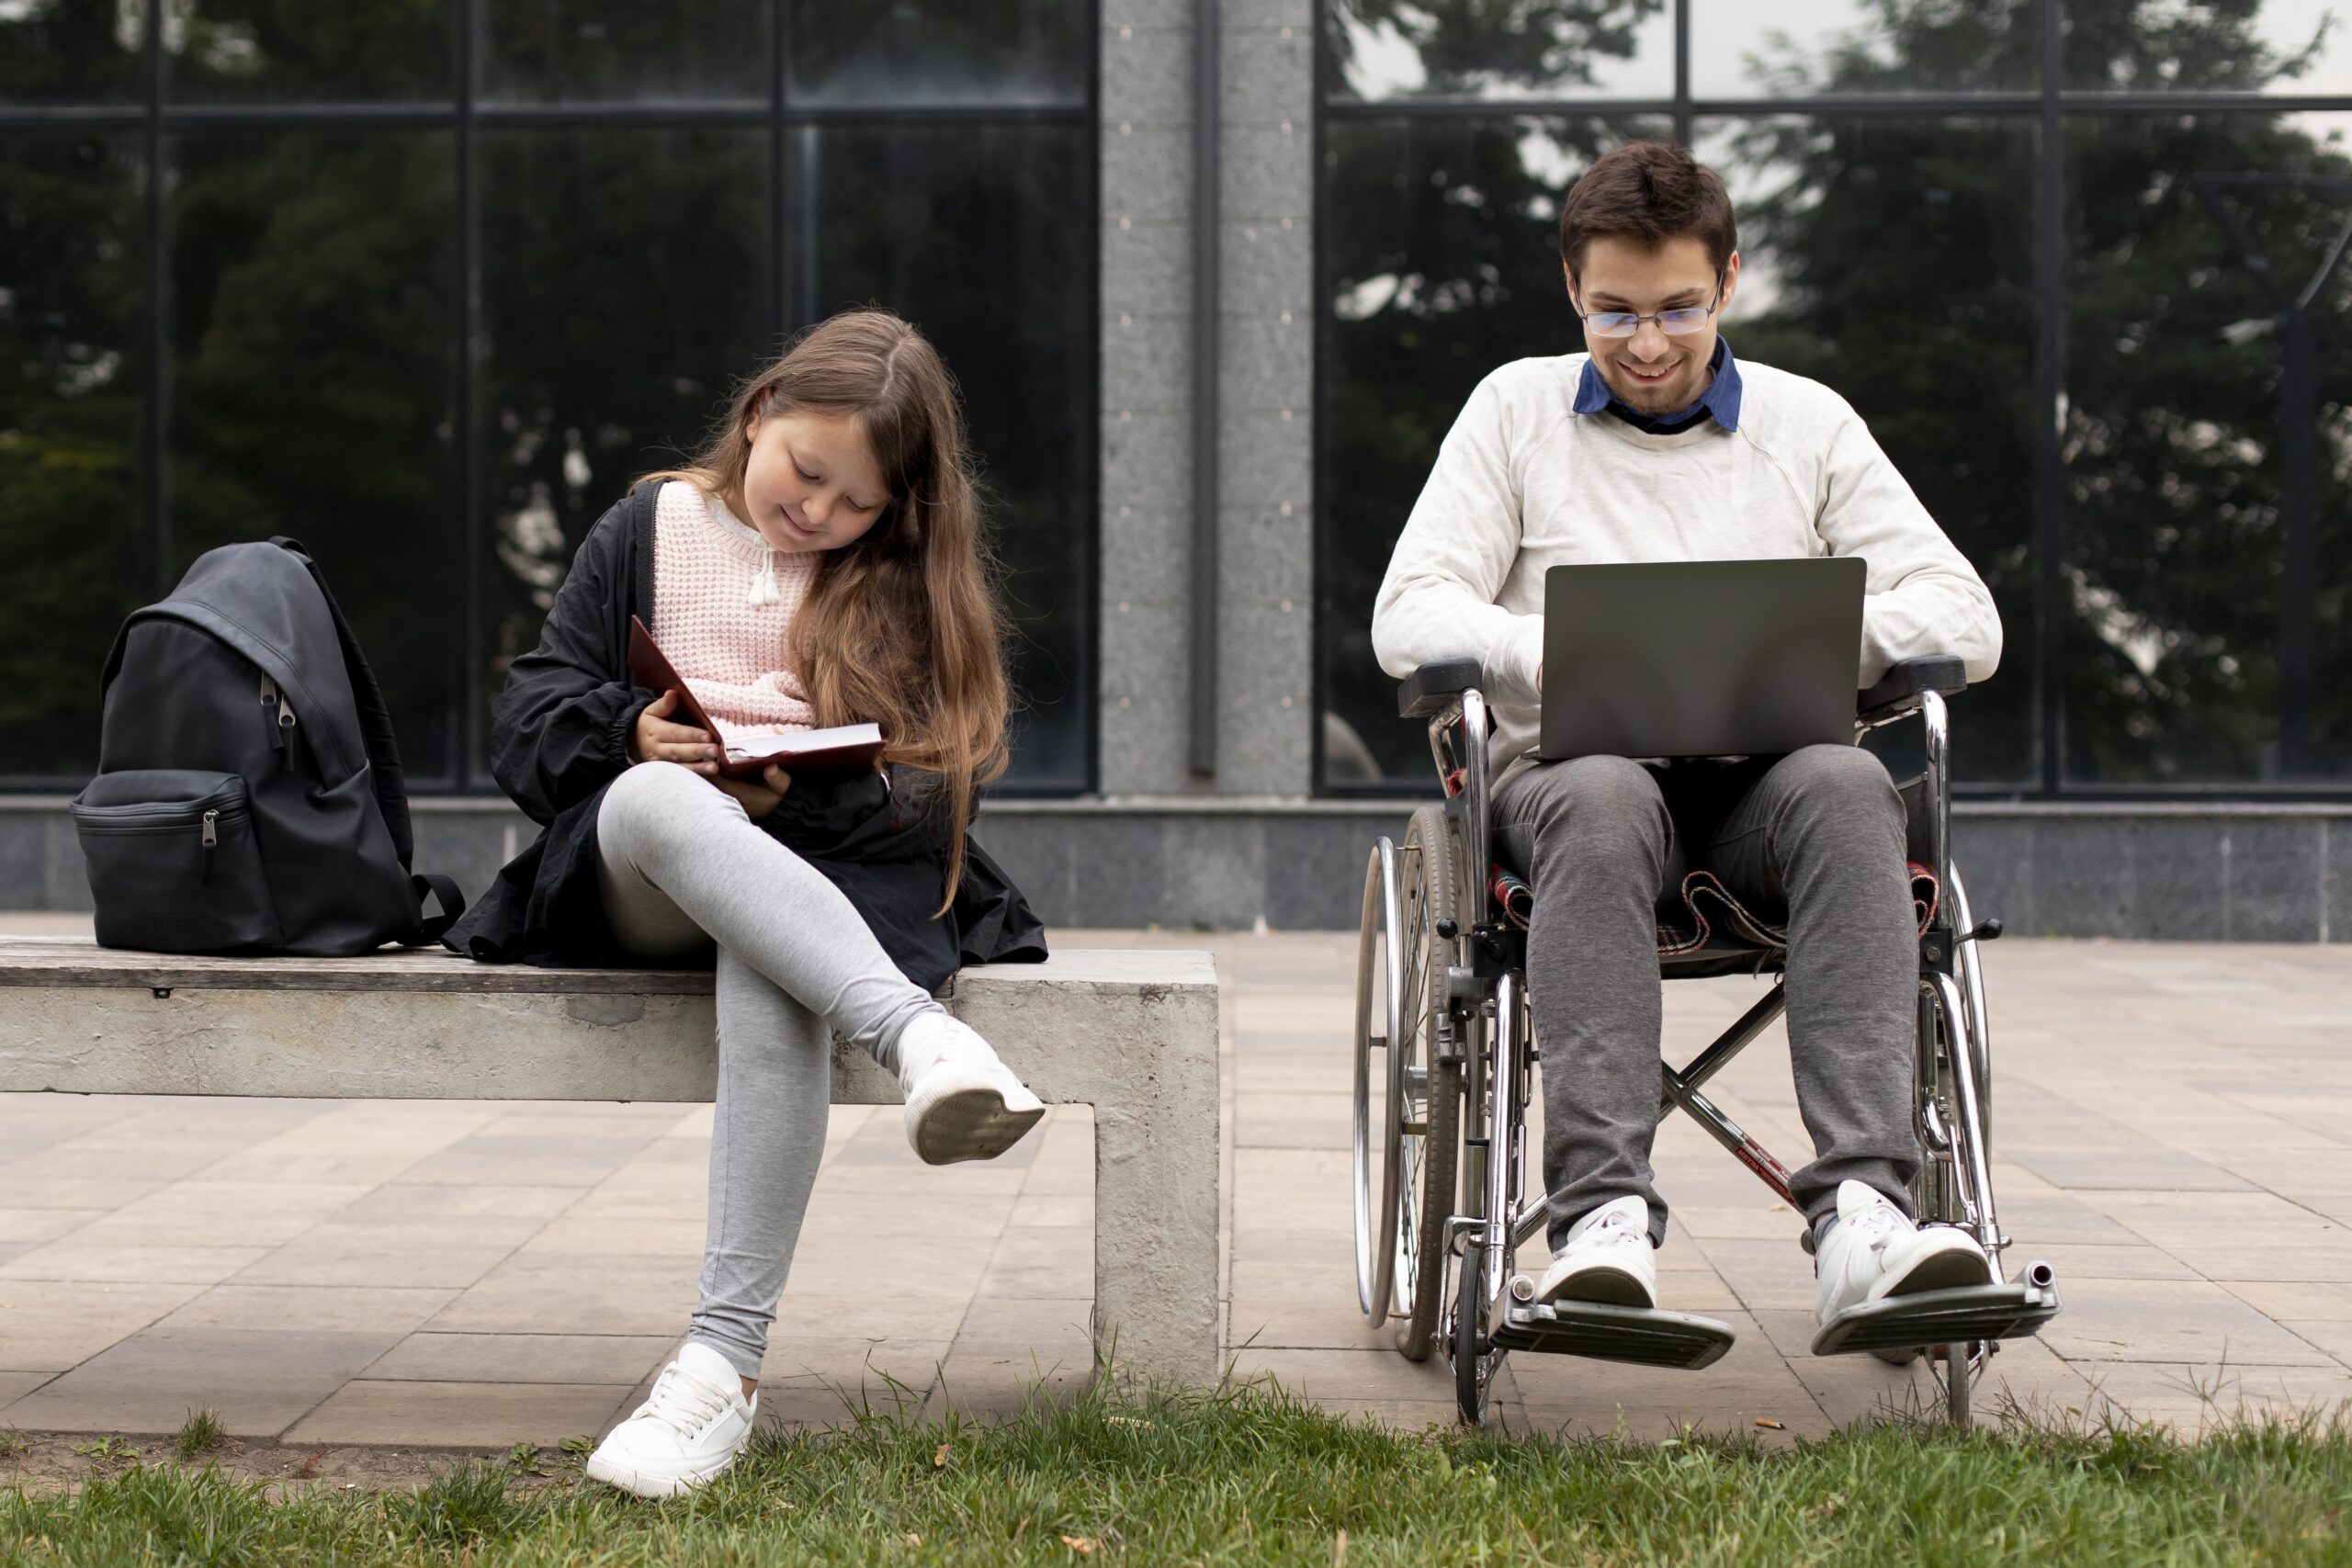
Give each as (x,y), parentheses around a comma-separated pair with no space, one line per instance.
(1474,1362)
(1407,1110)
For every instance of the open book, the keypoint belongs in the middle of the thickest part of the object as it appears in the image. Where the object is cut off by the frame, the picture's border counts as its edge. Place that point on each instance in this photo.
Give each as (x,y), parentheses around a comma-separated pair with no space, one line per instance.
(748,752)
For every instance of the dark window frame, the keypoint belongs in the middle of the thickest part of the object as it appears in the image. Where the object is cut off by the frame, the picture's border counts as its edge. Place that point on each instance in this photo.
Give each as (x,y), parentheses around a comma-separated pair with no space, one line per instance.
(2048,106)
(153,116)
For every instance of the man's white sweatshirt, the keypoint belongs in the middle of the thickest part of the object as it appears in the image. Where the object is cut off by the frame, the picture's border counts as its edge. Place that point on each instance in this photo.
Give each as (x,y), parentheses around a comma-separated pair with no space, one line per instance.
(1524,483)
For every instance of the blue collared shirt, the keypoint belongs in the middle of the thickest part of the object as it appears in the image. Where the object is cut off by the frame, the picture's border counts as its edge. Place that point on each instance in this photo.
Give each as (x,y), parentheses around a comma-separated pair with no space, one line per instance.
(1721,400)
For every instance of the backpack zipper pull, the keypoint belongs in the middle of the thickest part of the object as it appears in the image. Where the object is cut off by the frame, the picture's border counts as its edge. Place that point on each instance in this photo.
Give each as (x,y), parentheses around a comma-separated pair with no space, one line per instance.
(212,842)
(271,698)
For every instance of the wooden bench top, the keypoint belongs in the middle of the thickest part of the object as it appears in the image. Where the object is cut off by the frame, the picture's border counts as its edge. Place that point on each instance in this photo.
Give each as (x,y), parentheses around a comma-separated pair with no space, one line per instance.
(80,963)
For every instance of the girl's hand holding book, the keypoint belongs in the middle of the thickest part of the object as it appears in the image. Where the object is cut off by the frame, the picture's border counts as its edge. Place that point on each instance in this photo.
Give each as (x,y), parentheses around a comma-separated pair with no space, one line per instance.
(758,799)
(657,739)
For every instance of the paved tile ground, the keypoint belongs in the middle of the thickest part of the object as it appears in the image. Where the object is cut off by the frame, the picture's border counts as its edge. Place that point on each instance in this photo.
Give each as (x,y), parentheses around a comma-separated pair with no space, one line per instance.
(2173,1134)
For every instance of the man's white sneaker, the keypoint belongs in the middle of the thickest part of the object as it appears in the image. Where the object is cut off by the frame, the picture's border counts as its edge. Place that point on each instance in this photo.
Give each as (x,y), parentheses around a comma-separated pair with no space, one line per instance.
(965,1105)
(1872,1252)
(691,1428)
(1608,1260)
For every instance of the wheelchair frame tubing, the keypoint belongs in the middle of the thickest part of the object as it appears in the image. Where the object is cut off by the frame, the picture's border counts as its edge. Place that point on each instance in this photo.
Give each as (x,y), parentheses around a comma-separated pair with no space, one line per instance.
(1973,1172)
(1477,808)
(1505,1136)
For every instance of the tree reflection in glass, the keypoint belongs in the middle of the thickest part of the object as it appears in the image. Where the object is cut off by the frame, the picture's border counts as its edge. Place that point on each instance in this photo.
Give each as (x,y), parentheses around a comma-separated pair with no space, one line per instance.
(70,408)
(1441,264)
(1501,48)
(300,51)
(1891,260)
(70,51)
(579,51)
(601,361)
(928,52)
(950,226)
(310,379)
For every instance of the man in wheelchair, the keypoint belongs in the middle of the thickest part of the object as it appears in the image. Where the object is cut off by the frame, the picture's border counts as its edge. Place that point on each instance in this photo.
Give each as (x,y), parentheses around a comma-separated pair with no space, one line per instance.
(1654,446)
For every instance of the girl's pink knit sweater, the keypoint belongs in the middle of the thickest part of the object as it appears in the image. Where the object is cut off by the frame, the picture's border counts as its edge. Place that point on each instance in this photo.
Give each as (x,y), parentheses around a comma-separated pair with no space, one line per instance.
(728,645)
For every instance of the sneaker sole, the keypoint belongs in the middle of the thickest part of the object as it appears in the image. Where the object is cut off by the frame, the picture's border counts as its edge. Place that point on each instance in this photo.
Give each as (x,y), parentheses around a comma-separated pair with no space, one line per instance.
(1953,1271)
(970,1123)
(1603,1285)
(654,1485)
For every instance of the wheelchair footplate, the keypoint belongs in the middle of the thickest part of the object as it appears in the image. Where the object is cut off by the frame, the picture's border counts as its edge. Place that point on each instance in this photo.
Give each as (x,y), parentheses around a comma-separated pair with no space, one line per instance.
(1643,1336)
(1943,1317)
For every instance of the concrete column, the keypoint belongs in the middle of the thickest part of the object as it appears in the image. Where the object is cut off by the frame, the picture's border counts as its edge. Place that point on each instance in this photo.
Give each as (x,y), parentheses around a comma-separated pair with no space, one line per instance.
(1146,281)
(1266,387)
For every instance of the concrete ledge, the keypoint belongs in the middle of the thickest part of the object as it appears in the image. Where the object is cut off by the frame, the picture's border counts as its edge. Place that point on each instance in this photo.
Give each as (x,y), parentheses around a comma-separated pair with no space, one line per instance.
(1133,1034)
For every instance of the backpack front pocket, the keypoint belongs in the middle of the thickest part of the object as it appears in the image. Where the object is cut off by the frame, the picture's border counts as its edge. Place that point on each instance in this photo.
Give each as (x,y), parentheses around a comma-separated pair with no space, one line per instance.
(174,861)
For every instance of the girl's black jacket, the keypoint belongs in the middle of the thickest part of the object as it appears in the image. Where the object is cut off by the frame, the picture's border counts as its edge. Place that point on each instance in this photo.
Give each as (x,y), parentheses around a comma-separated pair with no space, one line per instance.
(558,734)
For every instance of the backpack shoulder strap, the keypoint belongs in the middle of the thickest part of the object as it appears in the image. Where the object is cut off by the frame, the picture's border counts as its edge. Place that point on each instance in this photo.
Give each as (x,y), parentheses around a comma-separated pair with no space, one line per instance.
(375,716)
(643,497)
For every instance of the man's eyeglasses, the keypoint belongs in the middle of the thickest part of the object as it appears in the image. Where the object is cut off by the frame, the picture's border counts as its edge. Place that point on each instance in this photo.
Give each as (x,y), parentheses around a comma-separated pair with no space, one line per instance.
(1680,322)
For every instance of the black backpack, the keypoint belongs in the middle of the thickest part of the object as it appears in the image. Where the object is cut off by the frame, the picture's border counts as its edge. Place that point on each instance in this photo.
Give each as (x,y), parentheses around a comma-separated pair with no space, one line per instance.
(249,797)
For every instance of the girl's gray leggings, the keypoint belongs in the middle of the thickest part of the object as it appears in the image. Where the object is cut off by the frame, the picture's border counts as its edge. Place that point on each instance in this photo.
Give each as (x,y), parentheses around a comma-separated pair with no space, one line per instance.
(679,864)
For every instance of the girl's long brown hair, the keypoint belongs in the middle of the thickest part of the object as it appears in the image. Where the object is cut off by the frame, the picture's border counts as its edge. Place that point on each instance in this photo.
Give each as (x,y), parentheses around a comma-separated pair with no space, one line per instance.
(901,629)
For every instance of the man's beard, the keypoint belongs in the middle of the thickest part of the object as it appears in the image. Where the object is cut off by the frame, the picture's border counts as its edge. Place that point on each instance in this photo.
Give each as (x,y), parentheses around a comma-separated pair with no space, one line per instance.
(1664,396)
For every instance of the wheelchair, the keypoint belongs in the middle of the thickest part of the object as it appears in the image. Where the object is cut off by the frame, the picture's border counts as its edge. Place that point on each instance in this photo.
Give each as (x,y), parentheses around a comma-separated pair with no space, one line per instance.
(1444,1066)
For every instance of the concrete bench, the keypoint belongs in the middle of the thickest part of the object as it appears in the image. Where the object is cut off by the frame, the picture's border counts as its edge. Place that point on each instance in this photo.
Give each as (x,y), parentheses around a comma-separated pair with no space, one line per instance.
(1132,1034)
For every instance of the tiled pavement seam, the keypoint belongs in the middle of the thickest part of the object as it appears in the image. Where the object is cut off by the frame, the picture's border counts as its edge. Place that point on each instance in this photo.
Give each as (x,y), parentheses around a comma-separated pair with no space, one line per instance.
(2169,1132)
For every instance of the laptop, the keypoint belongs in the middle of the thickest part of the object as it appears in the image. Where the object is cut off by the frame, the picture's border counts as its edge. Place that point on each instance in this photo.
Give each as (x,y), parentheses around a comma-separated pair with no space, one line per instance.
(1701,658)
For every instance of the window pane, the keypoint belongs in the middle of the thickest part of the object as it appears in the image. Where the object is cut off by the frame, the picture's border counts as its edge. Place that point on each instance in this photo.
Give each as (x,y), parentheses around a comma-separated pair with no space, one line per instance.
(981,237)
(70,51)
(545,51)
(603,361)
(1440,263)
(310,385)
(1892,260)
(1520,49)
(2208,537)
(1793,48)
(298,50)
(2269,46)
(69,438)
(929,51)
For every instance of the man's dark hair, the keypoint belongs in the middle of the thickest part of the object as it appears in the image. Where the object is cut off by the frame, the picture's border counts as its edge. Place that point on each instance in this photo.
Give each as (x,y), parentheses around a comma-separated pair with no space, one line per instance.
(1650,192)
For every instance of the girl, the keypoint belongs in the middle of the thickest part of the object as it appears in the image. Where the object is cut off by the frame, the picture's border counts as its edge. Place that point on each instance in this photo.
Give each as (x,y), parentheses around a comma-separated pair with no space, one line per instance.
(820,563)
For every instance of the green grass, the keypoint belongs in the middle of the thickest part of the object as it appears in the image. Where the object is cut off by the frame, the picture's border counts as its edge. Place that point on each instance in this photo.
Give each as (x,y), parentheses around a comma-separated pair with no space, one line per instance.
(199,1434)
(1255,1477)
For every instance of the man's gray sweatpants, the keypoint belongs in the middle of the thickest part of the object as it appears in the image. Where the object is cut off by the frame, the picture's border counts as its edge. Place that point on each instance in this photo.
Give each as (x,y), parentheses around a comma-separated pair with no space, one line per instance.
(1820,833)
(679,864)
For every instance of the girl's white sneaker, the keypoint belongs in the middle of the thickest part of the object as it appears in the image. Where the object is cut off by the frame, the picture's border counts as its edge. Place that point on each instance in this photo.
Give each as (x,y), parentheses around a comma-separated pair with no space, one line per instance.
(965,1103)
(691,1428)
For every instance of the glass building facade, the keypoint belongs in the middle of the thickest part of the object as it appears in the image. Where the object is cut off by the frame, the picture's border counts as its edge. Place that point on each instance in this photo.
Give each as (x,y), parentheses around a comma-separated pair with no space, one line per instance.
(425,283)
(2080,264)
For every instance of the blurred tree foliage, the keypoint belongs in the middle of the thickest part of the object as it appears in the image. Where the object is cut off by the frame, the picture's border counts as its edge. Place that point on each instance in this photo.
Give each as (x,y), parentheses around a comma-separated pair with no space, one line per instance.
(623,282)
(1898,255)
(70,286)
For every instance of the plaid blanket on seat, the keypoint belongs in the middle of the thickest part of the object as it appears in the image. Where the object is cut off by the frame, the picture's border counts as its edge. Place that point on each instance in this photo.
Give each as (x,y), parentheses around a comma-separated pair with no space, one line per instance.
(1709,908)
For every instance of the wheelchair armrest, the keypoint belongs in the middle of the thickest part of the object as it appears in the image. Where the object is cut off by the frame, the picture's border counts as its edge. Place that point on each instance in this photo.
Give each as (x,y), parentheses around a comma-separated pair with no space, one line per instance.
(1428,689)
(1905,683)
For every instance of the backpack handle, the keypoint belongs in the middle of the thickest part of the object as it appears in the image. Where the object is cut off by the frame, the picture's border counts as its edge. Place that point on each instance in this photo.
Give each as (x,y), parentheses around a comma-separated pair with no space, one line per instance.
(429,929)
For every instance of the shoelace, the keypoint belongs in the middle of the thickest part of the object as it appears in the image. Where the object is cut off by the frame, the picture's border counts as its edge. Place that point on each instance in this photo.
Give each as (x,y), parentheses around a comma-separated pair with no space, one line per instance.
(682,1403)
(1614,1230)
(1877,1228)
